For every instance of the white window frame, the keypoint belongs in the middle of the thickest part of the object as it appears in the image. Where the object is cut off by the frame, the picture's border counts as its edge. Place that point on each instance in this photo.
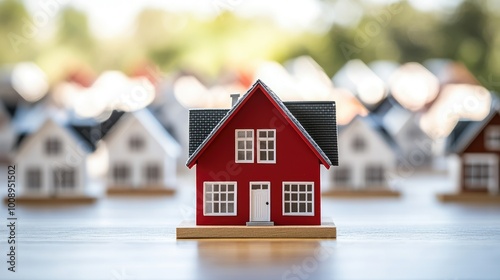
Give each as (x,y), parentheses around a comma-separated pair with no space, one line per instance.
(298,192)
(266,139)
(489,142)
(227,192)
(245,150)
(492,161)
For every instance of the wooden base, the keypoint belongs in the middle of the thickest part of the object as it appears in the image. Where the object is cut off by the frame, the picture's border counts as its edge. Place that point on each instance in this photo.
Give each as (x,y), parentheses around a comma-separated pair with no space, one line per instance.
(53,200)
(189,230)
(361,193)
(469,197)
(140,191)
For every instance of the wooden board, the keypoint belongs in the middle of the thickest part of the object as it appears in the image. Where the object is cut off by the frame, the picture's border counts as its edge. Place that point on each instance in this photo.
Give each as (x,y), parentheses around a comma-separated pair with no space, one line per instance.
(364,193)
(469,197)
(189,230)
(140,191)
(54,200)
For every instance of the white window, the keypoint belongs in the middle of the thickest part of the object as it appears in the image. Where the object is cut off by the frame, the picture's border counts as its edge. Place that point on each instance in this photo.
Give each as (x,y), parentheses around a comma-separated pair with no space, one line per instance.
(298,198)
(34,178)
(64,178)
(480,172)
(266,147)
(492,137)
(121,173)
(374,175)
(244,145)
(342,176)
(219,199)
(152,173)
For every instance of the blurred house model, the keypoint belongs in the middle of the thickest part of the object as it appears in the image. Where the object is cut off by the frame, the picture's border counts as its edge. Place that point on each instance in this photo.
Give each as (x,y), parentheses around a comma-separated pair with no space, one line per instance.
(368,154)
(402,125)
(142,156)
(475,150)
(7,135)
(51,163)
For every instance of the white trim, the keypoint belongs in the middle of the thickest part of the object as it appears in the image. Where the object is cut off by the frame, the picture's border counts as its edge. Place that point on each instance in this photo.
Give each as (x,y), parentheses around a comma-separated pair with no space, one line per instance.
(250,198)
(492,145)
(266,139)
(492,161)
(283,198)
(245,150)
(235,198)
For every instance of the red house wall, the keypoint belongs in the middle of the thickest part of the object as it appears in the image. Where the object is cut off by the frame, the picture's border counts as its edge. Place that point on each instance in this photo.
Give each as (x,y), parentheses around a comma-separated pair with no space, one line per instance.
(294,162)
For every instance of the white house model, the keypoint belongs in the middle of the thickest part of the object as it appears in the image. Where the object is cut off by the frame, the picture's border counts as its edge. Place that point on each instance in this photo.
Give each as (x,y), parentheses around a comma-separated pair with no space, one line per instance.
(367,154)
(51,162)
(142,155)
(7,134)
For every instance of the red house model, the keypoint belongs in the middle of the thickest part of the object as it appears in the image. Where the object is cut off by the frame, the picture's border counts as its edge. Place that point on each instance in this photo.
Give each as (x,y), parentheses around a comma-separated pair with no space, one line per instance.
(258,163)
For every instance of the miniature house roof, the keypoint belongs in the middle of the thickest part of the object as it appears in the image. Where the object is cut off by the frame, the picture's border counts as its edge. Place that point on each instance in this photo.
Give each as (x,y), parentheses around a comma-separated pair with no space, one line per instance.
(466,131)
(314,121)
(150,124)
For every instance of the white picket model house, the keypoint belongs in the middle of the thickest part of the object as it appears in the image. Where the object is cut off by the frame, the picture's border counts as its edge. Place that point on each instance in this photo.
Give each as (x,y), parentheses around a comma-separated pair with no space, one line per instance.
(142,155)
(368,155)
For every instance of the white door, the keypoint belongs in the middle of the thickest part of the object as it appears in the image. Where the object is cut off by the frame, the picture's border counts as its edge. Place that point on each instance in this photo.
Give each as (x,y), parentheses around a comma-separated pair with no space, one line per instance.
(260,203)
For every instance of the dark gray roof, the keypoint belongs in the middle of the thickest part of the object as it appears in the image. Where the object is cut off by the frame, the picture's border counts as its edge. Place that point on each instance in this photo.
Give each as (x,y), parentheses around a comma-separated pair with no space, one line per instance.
(379,128)
(319,120)
(201,123)
(200,128)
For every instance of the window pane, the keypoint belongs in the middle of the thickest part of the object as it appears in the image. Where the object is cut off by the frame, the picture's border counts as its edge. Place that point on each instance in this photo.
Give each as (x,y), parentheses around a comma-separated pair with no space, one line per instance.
(270,145)
(262,134)
(249,155)
(241,144)
(287,207)
(287,188)
(216,187)
(264,187)
(309,197)
(270,155)
(302,197)
(216,207)
(302,188)
(216,197)
(208,187)
(294,197)
(223,208)
(309,207)
(208,197)
(241,134)
(223,188)
(302,207)
(230,188)
(294,188)
(249,144)
(230,197)
(222,197)
(287,197)
(309,188)
(263,155)
(255,187)
(230,207)
(262,144)
(241,155)
(208,208)
(249,133)
(294,207)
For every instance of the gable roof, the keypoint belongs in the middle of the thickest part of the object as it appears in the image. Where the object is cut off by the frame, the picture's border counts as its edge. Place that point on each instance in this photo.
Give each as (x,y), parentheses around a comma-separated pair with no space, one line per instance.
(149,123)
(466,131)
(320,123)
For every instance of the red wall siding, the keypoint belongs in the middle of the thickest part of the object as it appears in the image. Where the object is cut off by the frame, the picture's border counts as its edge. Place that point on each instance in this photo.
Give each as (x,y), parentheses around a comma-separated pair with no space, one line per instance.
(294,162)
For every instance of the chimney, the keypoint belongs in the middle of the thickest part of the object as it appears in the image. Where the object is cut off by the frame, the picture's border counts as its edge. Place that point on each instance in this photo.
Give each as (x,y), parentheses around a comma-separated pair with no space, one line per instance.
(234,98)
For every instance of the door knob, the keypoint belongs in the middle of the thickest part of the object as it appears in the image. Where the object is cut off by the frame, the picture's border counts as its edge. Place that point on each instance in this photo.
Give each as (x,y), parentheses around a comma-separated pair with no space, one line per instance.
(267,202)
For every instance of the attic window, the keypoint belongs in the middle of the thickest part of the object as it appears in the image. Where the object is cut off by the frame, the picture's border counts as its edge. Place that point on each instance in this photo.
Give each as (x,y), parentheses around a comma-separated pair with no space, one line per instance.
(492,137)
(136,143)
(358,144)
(266,148)
(52,146)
